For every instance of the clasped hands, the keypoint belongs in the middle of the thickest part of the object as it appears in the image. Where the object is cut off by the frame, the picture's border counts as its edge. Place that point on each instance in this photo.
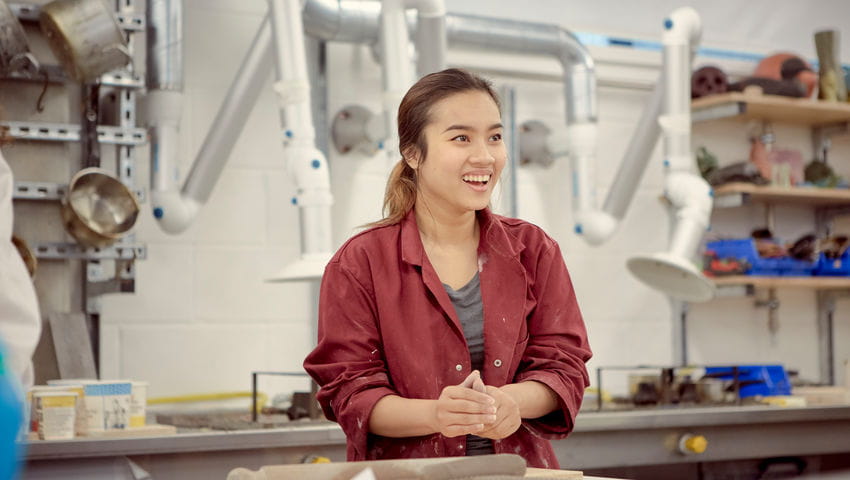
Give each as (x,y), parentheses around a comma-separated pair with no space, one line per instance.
(474,408)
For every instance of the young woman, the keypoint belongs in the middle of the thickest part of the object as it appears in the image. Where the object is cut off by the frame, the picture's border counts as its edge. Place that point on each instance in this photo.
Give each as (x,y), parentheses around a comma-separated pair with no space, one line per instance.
(445,329)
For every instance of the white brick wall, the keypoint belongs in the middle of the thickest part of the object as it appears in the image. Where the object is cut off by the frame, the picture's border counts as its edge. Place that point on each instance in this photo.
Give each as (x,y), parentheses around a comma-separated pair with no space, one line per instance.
(203,318)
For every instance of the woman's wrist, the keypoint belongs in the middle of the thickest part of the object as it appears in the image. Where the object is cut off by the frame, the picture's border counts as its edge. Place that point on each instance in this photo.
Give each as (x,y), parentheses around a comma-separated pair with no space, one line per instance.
(535,399)
(395,416)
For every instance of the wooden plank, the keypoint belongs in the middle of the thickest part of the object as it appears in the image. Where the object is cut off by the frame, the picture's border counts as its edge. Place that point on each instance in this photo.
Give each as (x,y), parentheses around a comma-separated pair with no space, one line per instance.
(544,473)
(768,193)
(828,283)
(72,343)
(773,107)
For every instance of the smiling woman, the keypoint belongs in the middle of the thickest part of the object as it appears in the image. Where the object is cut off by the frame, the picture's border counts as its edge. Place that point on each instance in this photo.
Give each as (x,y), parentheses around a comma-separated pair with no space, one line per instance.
(445,329)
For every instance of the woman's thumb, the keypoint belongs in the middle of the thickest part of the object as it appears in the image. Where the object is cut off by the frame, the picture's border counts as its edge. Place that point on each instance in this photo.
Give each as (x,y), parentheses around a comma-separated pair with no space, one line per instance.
(469,381)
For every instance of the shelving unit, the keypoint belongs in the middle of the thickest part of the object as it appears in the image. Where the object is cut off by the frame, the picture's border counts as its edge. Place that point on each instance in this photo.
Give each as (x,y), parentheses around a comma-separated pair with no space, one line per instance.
(823,119)
(124,136)
(741,193)
(814,283)
(800,111)
(104,270)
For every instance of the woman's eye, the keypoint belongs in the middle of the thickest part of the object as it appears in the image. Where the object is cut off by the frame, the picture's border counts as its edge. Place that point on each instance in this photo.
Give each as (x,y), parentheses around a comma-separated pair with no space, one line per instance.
(462,138)
(497,137)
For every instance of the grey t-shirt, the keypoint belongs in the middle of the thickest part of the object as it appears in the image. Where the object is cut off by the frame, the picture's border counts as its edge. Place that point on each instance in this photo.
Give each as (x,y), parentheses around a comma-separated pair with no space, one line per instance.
(470,312)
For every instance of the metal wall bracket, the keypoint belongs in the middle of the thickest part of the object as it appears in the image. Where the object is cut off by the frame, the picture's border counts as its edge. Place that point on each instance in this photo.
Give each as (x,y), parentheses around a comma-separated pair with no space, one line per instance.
(772,305)
(821,141)
(718,112)
(39,191)
(29,13)
(735,291)
(66,132)
(55,74)
(53,191)
(533,148)
(62,251)
(351,132)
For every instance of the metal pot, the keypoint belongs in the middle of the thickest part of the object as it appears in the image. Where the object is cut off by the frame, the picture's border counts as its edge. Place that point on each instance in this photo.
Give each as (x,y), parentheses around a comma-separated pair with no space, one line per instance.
(98,209)
(14,50)
(712,390)
(26,255)
(85,37)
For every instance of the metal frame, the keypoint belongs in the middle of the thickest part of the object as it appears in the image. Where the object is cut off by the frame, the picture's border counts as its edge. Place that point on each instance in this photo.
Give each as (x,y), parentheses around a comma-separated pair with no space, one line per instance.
(127,18)
(118,274)
(823,220)
(67,132)
(52,191)
(599,440)
(64,251)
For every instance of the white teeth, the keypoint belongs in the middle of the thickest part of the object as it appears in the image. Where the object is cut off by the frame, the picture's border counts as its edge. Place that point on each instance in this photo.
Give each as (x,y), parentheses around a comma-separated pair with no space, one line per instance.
(476,178)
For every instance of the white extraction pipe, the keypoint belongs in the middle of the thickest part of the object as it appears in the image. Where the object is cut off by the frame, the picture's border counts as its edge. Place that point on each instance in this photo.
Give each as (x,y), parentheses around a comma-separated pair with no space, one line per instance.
(164,104)
(673,272)
(431,38)
(396,67)
(175,207)
(305,162)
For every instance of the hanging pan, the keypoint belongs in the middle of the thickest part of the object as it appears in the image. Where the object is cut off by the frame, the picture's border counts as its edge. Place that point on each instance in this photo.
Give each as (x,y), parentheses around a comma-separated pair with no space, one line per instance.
(14,50)
(98,209)
(85,37)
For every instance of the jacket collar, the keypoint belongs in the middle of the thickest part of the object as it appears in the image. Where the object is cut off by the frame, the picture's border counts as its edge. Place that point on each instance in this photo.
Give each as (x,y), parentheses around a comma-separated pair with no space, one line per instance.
(494,238)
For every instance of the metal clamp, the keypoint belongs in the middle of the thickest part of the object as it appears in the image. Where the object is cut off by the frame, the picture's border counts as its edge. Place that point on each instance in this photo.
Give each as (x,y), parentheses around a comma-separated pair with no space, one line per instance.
(61,251)
(64,132)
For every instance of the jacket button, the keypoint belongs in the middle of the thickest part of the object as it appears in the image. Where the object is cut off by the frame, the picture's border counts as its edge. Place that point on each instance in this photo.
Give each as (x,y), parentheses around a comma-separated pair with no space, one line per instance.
(458,367)
(497,362)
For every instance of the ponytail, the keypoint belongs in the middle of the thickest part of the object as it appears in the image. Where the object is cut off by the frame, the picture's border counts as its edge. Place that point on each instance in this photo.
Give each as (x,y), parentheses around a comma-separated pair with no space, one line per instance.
(400,195)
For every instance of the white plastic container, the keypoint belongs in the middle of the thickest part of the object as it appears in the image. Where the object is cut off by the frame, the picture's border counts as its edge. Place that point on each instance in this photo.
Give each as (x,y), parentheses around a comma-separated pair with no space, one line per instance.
(56,413)
(80,417)
(107,403)
(138,404)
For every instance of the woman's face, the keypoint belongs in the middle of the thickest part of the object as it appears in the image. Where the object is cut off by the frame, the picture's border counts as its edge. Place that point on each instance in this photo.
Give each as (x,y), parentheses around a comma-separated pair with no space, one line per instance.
(465,156)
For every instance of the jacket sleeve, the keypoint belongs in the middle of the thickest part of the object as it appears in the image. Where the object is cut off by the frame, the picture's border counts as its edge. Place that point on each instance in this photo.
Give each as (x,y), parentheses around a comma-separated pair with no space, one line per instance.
(557,348)
(20,321)
(348,361)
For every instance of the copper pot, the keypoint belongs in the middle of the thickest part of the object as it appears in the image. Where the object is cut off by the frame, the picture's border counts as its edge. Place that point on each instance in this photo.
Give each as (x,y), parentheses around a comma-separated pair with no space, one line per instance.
(85,37)
(98,209)
(14,50)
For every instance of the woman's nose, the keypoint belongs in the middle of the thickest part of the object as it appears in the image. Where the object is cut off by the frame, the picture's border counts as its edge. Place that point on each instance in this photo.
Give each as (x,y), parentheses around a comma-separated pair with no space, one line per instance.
(483,155)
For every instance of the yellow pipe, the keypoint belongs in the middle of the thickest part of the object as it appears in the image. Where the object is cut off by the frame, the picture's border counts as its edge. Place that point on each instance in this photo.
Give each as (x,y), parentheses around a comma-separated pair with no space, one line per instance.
(207,397)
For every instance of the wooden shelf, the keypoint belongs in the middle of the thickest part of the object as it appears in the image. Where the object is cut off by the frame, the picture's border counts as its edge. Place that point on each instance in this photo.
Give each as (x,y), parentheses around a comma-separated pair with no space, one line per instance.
(822,283)
(769,107)
(818,197)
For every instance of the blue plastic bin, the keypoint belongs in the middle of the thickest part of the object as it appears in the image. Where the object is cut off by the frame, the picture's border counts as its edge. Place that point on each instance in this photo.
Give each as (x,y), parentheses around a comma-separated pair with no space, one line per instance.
(839,267)
(763,380)
(745,249)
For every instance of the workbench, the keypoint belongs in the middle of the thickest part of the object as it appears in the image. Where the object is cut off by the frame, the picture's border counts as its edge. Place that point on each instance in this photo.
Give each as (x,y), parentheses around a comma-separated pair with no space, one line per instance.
(599,440)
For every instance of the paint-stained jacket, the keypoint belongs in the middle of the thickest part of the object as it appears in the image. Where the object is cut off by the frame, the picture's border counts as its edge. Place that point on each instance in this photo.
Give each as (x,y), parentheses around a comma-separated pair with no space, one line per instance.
(388,327)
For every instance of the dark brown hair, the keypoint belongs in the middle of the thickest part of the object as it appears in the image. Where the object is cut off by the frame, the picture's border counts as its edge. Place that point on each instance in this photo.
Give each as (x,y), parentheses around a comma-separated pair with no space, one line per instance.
(414,114)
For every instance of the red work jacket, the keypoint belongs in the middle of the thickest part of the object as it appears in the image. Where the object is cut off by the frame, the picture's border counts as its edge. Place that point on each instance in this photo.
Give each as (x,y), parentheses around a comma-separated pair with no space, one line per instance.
(388,327)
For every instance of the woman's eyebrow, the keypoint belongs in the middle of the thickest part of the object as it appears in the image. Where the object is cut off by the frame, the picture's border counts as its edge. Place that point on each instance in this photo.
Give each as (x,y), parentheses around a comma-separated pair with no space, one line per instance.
(467,127)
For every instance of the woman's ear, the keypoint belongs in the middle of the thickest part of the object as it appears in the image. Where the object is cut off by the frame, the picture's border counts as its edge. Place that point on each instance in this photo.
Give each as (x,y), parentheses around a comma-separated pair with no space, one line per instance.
(411,157)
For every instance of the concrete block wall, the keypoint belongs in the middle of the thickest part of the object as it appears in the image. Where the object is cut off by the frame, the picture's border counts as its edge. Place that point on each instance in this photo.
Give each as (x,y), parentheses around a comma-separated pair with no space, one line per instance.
(203,317)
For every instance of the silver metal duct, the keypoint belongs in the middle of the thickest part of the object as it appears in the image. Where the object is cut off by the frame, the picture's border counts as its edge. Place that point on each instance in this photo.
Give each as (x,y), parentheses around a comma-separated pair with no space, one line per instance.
(535,38)
(430,31)
(350,21)
(164,37)
(342,20)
